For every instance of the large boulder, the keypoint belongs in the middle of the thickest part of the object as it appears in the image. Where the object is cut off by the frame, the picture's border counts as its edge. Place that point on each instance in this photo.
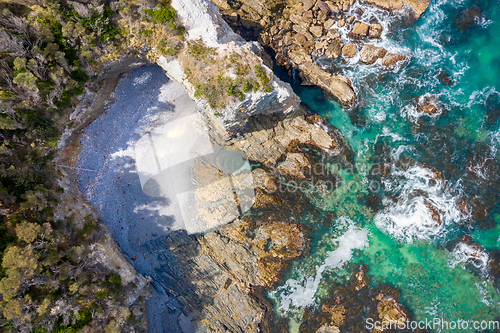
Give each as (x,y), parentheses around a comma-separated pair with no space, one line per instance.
(349,50)
(334,49)
(390,59)
(359,30)
(375,30)
(323,7)
(369,53)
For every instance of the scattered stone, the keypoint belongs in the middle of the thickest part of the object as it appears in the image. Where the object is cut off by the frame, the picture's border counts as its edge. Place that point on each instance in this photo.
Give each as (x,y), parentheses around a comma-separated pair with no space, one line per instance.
(349,50)
(350,19)
(334,49)
(329,24)
(300,39)
(308,4)
(309,43)
(369,53)
(266,39)
(251,12)
(321,17)
(332,7)
(345,7)
(274,30)
(308,16)
(313,74)
(333,34)
(360,30)
(297,19)
(375,30)
(316,30)
(323,7)
(287,39)
(300,29)
(341,22)
(390,59)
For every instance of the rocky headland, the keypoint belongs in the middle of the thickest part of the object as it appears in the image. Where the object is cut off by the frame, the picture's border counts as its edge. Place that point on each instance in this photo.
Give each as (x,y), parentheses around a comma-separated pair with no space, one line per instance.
(301,33)
(219,278)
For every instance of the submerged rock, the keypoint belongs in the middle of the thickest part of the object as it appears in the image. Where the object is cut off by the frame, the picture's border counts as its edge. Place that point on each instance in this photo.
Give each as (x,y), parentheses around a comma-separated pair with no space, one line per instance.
(369,53)
(445,78)
(469,18)
(429,105)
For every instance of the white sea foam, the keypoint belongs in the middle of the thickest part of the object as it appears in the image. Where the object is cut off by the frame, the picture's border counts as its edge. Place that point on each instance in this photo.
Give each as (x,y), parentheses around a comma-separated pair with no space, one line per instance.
(301,293)
(408,217)
(472,254)
(412,113)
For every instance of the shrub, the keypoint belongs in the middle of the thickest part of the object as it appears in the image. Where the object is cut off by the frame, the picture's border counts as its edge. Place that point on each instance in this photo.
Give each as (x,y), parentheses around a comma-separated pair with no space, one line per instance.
(161,15)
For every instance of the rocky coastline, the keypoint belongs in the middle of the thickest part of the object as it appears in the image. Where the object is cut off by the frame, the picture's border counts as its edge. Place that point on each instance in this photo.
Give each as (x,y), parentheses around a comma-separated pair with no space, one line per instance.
(219,277)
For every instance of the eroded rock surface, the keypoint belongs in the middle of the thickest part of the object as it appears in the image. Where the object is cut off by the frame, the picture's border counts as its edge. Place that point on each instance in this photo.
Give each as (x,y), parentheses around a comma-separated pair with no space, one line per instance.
(369,53)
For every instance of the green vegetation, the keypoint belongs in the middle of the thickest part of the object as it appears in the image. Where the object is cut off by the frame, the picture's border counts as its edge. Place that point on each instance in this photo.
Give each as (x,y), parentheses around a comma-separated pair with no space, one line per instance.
(162,15)
(203,67)
(199,51)
(48,53)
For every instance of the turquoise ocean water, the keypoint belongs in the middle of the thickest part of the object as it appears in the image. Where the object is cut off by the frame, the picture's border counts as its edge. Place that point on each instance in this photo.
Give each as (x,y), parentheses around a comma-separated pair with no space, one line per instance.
(455,61)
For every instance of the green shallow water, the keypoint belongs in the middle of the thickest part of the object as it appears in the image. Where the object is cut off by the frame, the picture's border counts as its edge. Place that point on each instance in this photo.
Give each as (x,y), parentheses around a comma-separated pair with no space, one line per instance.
(432,280)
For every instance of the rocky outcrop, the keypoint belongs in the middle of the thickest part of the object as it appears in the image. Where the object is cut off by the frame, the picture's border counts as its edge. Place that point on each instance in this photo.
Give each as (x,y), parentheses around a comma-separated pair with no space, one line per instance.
(418,6)
(202,20)
(369,53)
(334,313)
(337,86)
(213,275)
(270,139)
(294,165)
